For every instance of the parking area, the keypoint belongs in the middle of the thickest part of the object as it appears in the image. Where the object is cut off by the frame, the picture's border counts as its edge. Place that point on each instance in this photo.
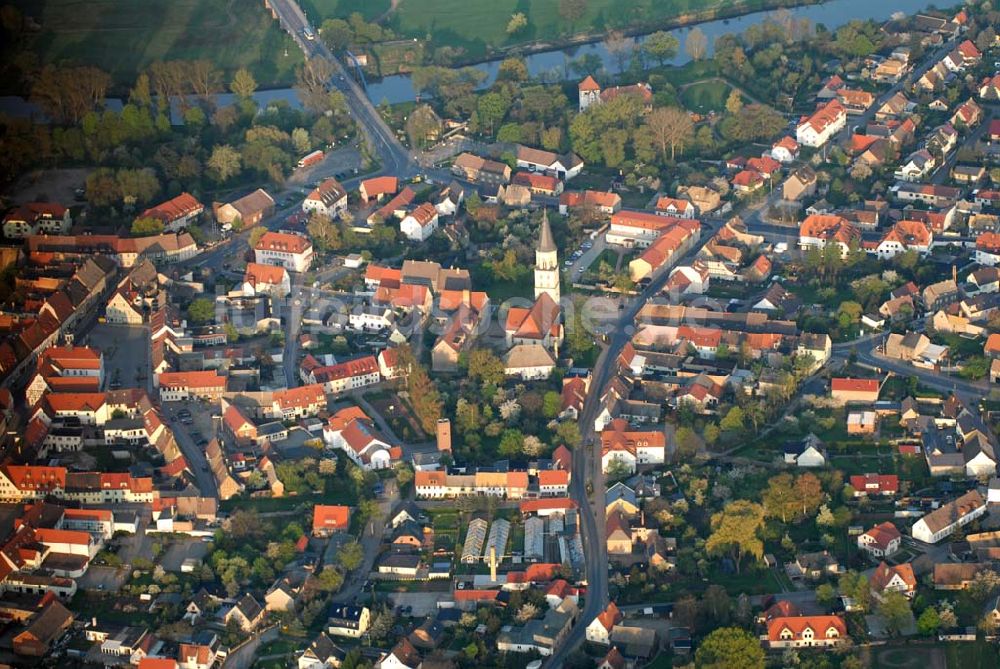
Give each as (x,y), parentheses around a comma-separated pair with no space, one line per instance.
(126,354)
(421,604)
(104,579)
(583,257)
(176,553)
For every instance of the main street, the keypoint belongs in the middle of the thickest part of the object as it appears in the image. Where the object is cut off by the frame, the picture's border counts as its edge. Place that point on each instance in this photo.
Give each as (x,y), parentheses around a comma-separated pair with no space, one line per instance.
(587,459)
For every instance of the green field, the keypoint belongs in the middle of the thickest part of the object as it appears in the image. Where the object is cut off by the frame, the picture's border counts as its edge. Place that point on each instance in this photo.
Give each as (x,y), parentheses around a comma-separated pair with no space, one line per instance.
(705,96)
(369,9)
(123,37)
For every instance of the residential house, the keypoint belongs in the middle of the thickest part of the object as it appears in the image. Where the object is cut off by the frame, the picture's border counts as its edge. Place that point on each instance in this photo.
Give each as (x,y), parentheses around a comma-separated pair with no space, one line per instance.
(806,632)
(377,188)
(271,280)
(942,522)
(823,124)
(247,613)
(248,210)
(176,214)
(328,519)
(348,620)
(800,184)
(785,150)
(599,629)
(630,448)
(818,230)
(807,452)
(605,203)
(881,541)
(37,218)
(322,653)
(897,578)
(480,170)
(563,167)
(328,199)
(420,223)
(293,252)
(870,485)
(529,362)
(846,390)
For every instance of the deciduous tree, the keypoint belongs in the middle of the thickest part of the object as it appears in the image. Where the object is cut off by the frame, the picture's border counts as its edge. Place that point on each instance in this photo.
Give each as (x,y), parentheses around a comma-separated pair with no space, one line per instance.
(668,127)
(243,84)
(661,46)
(696,44)
(224,162)
(735,531)
(729,648)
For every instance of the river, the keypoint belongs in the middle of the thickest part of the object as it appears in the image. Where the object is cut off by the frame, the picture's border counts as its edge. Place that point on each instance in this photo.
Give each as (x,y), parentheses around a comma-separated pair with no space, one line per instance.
(555,65)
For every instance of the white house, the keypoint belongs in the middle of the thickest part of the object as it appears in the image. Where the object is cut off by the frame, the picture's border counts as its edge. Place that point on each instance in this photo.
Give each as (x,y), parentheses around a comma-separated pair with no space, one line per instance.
(270,280)
(420,223)
(881,541)
(328,199)
(905,236)
(536,160)
(824,123)
(293,252)
(808,452)
(599,629)
(352,431)
(942,522)
(785,150)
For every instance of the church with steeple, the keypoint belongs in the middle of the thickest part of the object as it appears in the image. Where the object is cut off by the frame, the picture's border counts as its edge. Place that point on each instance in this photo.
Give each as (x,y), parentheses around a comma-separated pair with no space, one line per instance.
(546,262)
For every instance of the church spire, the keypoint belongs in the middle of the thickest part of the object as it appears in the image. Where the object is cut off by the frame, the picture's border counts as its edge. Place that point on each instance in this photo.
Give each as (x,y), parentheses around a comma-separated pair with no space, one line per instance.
(546,244)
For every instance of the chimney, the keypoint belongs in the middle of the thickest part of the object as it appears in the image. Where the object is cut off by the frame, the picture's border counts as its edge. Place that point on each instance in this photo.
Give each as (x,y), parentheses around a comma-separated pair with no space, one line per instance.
(493,564)
(954,273)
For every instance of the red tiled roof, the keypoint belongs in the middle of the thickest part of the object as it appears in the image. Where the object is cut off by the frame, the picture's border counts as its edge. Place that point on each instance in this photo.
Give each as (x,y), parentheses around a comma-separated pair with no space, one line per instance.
(820,625)
(883,483)
(196,379)
(841,385)
(183,205)
(380,186)
(259,274)
(549,503)
(284,242)
(329,517)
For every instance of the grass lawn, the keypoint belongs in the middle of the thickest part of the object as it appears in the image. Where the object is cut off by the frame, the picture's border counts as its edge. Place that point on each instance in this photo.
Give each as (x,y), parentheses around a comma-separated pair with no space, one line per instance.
(706,96)
(317,10)
(661,661)
(123,37)
(978,655)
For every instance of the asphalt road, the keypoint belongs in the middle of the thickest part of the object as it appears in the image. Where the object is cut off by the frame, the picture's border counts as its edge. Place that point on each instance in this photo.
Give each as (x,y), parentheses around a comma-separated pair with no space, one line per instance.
(194,454)
(395,158)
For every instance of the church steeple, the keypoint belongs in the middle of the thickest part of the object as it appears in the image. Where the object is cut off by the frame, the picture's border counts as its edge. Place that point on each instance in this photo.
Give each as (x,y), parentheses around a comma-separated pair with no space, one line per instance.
(546,261)
(545,242)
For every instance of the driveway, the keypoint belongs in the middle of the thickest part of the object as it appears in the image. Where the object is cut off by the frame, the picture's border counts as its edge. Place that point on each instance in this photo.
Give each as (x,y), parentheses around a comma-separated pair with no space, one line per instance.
(581,264)
(176,553)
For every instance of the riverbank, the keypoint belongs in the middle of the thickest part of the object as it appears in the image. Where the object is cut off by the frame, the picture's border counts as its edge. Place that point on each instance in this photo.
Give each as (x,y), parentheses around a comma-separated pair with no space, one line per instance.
(740,9)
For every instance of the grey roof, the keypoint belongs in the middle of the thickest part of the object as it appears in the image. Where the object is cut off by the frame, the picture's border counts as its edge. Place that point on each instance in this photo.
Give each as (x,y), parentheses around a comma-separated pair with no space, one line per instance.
(546,243)
(619,491)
